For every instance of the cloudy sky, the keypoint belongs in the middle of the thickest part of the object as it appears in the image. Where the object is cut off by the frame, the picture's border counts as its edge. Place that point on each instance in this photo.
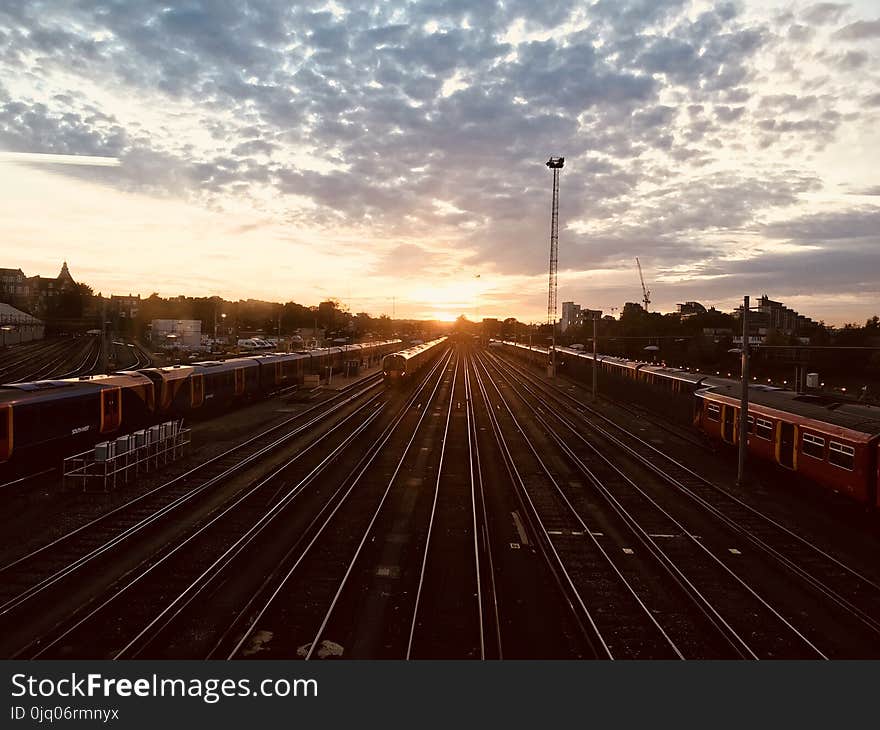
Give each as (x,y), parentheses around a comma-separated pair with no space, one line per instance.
(392,155)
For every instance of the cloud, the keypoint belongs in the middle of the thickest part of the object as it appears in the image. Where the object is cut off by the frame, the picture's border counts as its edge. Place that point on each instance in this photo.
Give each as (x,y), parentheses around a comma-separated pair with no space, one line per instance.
(824,13)
(850,224)
(858,30)
(683,129)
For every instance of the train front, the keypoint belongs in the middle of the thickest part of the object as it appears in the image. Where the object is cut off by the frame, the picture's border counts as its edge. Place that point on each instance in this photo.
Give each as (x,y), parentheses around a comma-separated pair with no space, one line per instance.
(393,368)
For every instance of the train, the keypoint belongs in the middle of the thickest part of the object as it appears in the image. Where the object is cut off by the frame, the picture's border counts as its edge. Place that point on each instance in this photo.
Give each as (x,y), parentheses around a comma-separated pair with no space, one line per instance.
(47,419)
(399,367)
(830,442)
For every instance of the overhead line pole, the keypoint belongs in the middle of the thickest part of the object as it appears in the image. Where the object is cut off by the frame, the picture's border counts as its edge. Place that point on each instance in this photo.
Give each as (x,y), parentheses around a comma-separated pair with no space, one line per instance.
(744,399)
(595,356)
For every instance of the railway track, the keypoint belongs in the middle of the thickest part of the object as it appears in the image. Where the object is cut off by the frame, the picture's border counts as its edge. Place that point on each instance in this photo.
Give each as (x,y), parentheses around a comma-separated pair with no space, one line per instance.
(62,362)
(41,361)
(456,612)
(310,607)
(70,562)
(617,620)
(831,593)
(462,519)
(138,611)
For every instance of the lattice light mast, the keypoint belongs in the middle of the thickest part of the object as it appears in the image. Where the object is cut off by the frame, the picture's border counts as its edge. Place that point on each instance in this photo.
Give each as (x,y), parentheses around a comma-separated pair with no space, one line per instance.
(555,164)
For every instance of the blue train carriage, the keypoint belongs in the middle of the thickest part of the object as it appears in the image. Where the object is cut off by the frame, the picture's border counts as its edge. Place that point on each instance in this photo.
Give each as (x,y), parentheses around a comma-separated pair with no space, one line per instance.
(280,370)
(318,362)
(400,366)
(670,391)
(534,354)
(225,384)
(52,418)
(375,351)
(325,359)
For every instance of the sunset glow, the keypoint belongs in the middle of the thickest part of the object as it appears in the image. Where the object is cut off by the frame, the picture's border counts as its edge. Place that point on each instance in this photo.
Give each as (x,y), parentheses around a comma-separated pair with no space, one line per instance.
(292,154)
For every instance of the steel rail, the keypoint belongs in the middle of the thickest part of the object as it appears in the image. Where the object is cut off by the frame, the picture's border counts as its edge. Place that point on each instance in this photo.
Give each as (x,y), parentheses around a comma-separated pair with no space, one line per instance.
(415,615)
(586,530)
(815,582)
(228,507)
(551,555)
(481,520)
(749,589)
(62,573)
(275,585)
(704,605)
(376,513)
(160,623)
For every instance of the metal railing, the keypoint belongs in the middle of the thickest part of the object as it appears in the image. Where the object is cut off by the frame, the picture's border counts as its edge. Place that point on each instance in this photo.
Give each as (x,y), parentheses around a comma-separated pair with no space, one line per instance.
(110,463)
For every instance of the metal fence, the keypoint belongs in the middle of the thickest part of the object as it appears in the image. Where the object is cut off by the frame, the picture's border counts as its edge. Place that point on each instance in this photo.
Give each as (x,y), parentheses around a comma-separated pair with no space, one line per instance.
(120,461)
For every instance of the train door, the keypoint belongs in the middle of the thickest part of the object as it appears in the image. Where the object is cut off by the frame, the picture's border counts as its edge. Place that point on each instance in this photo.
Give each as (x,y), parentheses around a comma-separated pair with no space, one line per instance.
(111,409)
(279,374)
(197,390)
(727,423)
(5,432)
(239,381)
(785,444)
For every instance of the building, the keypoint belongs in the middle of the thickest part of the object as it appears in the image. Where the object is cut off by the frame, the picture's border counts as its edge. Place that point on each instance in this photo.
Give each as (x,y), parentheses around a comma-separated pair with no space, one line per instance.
(632,309)
(570,315)
(770,316)
(575,316)
(43,291)
(14,288)
(690,309)
(17,326)
(185,333)
(125,307)
(34,294)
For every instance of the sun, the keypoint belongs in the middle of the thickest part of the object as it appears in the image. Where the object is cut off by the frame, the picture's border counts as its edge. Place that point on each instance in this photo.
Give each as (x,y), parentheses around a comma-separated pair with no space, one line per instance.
(443,316)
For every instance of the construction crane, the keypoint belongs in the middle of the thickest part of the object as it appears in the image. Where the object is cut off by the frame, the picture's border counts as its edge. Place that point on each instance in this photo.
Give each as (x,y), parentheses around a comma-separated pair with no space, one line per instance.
(555,164)
(646,295)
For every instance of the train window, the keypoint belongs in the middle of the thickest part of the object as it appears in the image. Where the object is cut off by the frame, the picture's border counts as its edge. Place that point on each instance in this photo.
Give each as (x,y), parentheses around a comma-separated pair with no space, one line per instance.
(764,429)
(713,412)
(841,455)
(813,446)
(750,424)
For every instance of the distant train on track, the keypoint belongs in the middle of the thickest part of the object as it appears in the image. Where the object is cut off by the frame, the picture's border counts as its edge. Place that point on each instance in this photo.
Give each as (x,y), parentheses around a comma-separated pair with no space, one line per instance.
(831,442)
(46,419)
(397,367)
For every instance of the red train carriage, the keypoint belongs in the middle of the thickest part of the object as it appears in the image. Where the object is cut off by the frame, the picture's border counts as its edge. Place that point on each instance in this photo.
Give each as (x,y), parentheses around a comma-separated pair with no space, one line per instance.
(832,443)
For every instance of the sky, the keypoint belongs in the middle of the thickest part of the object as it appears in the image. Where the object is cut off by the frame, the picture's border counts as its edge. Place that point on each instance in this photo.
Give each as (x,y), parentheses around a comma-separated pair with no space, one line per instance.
(392,155)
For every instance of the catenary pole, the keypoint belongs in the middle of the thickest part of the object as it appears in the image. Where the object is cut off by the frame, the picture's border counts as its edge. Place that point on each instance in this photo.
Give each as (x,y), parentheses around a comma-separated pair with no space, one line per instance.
(744,399)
